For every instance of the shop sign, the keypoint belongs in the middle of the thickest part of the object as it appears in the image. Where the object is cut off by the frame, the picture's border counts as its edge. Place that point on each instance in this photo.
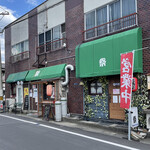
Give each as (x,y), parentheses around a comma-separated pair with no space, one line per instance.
(126,79)
(102,62)
(134,117)
(134,84)
(26,91)
(37,73)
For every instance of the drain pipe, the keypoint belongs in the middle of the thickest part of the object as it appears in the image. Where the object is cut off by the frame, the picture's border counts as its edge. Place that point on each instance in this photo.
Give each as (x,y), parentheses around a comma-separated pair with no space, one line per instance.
(67,75)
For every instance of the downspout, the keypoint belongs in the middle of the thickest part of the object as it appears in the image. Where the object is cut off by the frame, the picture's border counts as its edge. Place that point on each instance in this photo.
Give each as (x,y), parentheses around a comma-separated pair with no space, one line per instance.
(67,74)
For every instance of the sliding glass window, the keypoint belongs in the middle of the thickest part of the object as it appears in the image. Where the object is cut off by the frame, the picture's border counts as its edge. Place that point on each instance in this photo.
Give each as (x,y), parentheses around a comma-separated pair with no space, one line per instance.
(90,23)
(110,18)
(114,14)
(101,14)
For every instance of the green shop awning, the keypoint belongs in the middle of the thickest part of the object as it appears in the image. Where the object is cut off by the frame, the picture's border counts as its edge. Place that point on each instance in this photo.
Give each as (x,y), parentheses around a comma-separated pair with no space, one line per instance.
(19,76)
(102,57)
(46,73)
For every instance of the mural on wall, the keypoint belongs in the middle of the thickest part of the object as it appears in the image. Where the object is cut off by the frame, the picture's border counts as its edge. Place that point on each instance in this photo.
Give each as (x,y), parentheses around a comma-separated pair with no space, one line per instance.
(96,106)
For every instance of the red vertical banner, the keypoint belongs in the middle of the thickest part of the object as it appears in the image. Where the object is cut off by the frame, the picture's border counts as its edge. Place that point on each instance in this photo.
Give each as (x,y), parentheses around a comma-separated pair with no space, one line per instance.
(126,76)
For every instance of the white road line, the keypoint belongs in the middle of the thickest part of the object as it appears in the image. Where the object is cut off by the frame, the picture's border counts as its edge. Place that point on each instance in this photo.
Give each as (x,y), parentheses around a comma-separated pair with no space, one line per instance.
(73,133)
(19,119)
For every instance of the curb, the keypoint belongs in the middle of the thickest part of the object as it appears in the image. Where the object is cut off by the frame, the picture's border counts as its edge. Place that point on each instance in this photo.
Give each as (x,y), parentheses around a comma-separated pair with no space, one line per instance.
(111,127)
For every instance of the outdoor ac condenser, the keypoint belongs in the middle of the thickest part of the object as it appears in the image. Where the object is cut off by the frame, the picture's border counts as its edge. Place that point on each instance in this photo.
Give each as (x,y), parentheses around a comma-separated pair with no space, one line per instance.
(10,102)
(148,120)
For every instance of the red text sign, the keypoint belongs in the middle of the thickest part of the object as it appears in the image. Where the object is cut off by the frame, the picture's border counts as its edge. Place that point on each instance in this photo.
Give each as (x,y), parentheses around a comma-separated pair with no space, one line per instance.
(126,76)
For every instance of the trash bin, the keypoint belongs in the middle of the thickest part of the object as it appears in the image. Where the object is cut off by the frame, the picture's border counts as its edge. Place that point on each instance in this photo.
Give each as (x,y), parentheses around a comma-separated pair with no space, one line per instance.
(58,111)
(64,106)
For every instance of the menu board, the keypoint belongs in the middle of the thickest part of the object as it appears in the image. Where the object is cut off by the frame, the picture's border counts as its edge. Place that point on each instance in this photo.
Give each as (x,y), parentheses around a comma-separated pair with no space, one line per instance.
(26,103)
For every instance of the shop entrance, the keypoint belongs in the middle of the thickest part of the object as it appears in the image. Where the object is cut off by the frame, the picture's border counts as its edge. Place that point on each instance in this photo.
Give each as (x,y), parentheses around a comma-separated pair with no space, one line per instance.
(115,112)
(39,99)
(33,97)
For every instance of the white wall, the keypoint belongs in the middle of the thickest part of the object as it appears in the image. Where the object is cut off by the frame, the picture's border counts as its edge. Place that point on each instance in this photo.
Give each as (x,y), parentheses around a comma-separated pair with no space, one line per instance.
(92,4)
(47,4)
(19,31)
(41,22)
(54,16)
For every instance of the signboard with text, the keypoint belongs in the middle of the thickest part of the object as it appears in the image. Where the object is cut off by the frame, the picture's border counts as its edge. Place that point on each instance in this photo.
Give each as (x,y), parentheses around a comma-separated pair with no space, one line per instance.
(126,76)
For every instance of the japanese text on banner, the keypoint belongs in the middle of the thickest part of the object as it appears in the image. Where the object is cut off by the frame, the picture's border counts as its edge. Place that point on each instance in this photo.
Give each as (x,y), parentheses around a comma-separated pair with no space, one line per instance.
(126,76)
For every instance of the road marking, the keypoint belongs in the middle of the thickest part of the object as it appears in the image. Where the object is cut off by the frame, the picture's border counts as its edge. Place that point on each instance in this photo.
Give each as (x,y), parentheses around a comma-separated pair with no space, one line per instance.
(18,119)
(73,133)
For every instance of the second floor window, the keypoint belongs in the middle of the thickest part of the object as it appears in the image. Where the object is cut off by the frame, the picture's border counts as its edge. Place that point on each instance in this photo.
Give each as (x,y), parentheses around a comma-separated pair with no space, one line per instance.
(52,39)
(20,48)
(20,51)
(107,19)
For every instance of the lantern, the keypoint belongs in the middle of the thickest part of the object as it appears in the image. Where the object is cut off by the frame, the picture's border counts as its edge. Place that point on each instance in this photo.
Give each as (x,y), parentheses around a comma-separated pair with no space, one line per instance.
(49,90)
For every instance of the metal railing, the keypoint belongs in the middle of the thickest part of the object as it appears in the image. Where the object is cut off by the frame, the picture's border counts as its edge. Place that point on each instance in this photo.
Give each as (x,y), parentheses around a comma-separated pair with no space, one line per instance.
(19,57)
(110,27)
(52,45)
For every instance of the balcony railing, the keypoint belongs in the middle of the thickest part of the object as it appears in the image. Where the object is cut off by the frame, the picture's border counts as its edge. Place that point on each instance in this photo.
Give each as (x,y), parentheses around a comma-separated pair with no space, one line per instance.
(110,27)
(51,46)
(19,57)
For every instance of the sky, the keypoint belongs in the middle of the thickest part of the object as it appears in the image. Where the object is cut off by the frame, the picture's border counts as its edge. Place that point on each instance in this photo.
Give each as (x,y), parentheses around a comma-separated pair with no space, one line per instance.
(16,9)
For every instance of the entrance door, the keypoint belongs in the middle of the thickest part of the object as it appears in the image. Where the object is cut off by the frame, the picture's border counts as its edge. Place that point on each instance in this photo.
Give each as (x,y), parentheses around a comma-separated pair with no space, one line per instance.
(34,97)
(114,104)
(19,94)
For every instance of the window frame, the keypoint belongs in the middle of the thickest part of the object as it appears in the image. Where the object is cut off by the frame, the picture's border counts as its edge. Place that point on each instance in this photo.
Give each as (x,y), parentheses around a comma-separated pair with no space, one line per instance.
(52,33)
(96,87)
(108,16)
(20,48)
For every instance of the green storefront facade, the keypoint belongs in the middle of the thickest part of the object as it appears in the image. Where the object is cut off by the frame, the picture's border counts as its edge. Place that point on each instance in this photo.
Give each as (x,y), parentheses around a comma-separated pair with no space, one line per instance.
(88,55)
(100,60)
(30,87)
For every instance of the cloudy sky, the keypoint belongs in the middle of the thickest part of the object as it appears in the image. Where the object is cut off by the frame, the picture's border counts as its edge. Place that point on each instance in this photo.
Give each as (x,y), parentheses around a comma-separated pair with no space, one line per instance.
(16,9)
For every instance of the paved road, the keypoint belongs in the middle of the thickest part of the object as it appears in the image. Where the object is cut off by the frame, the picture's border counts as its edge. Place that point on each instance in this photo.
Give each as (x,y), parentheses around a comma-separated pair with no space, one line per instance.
(18,133)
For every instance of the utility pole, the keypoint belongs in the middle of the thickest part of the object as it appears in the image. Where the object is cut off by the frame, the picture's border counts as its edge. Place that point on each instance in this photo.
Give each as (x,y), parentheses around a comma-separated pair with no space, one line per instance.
(3,13)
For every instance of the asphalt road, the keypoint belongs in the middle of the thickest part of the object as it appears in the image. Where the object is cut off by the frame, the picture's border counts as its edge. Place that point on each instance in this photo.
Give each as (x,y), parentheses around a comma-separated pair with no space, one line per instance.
(19,133)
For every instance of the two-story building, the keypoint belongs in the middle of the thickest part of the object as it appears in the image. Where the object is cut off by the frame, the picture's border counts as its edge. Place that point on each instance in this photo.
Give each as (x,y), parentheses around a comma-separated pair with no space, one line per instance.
(89,36)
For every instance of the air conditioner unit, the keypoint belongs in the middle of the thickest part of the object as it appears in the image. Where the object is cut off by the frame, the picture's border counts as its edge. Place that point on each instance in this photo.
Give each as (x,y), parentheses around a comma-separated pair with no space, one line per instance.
(148,120)
(10,102)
